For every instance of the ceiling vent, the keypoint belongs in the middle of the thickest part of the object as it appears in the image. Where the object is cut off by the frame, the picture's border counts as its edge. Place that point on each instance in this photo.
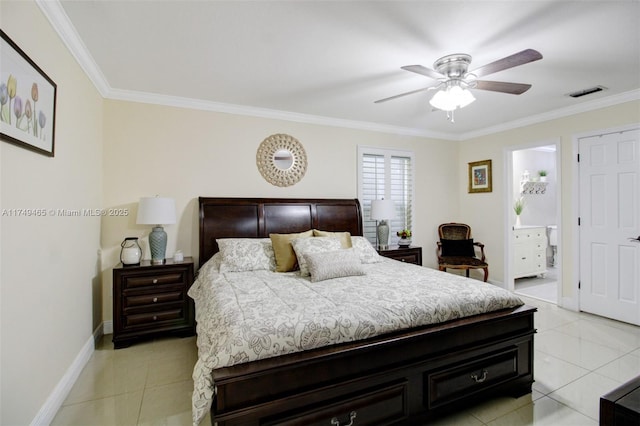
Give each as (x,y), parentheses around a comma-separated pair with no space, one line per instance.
(585,92)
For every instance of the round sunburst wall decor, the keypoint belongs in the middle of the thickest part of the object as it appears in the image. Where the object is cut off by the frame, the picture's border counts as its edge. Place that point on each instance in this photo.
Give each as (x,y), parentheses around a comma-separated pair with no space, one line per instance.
(281,160)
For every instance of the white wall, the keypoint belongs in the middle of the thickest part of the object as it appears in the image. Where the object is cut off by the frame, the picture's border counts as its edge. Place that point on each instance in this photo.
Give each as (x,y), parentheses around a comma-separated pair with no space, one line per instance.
(184,154)
(50,278)
(540,209)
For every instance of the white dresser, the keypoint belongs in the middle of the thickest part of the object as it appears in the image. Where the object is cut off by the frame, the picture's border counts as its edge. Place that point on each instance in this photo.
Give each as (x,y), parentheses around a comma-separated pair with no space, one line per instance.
(529,251)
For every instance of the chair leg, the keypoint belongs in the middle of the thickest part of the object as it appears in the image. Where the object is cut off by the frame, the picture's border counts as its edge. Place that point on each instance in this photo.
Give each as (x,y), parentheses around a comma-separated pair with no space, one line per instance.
(486,274)
(467,273)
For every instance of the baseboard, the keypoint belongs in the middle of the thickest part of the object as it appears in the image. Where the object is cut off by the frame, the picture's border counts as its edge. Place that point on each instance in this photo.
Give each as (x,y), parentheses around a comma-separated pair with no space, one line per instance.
(55,400)
(569,303)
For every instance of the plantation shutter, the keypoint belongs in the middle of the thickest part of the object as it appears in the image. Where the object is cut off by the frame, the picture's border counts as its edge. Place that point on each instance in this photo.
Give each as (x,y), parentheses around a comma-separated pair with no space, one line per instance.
(386,174)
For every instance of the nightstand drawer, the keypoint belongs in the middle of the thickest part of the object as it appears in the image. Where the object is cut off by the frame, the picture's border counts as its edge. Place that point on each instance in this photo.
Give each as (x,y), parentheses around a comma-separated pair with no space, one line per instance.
(153,299)
(153,280)
(403,254)
(152,317)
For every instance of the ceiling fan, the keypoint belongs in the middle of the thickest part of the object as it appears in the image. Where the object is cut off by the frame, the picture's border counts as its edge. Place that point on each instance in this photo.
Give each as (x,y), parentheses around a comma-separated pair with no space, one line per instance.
(454,79)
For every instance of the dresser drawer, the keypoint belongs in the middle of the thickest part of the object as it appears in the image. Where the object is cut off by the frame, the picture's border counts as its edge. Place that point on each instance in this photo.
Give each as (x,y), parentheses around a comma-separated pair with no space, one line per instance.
(378,407)
(408,258)
(446,385)
(152,279)
(153,299)
(155,317)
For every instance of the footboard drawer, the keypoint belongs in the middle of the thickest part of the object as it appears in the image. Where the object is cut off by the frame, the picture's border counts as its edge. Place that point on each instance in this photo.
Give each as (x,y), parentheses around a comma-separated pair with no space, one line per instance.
(378,407)
(449,384)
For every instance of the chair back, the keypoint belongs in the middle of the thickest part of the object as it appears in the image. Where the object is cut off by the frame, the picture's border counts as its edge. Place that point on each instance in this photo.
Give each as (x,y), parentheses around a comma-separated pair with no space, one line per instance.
(454,231)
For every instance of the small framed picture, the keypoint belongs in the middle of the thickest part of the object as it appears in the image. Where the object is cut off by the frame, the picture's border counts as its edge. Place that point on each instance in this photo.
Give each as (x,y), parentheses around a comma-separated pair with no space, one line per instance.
(27,100)
(480,176)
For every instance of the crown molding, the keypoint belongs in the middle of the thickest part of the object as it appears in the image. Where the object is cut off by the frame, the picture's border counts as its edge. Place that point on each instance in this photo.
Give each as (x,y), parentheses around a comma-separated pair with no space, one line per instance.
(190,103)
(54,12)
(604,102)
(60,21)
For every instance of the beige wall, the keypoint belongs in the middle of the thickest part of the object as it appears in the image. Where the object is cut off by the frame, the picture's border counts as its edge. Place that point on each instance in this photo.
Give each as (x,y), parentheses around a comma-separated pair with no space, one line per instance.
(486,213)
(184,154)
(50,271)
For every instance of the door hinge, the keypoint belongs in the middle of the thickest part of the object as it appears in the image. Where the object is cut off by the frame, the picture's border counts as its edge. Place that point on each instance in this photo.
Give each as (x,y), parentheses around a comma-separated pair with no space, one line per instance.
(578,157)
(578,221)
(579,285)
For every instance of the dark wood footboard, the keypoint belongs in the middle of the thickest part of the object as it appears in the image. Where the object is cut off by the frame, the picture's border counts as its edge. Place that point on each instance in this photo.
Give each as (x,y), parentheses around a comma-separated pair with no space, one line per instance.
(406,377)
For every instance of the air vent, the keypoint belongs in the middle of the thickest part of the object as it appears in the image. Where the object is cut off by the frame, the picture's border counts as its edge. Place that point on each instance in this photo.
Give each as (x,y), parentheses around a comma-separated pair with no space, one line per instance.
(585,92)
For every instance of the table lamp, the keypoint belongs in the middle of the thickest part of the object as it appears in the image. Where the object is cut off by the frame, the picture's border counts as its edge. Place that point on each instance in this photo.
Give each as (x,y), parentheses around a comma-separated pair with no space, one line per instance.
(383,210)
(157,211)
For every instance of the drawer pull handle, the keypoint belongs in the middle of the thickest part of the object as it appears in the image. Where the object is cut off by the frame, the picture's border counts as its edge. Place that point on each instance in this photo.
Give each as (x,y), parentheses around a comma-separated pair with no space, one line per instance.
(155,299)
(336,422)
(155,281)
(477,379)
(155,317)
(403,260)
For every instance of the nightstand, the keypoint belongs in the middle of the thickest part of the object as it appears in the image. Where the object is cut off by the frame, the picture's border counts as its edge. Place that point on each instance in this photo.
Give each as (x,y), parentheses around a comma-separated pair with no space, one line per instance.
(409,254)
(151,300)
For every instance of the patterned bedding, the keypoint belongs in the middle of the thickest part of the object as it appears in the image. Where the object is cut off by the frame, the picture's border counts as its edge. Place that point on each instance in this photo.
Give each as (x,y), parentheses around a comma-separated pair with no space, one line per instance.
(246,316)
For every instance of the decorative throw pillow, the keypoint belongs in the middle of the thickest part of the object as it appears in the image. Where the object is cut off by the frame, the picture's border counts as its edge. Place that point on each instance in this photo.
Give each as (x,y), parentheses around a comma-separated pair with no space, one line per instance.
(345,237)
(285,257)
(334,264)
(458,248)
(365,250)
(305,246)
(246,254)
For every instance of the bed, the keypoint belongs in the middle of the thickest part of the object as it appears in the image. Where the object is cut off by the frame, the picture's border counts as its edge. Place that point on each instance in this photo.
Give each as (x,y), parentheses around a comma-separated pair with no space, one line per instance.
(403,376)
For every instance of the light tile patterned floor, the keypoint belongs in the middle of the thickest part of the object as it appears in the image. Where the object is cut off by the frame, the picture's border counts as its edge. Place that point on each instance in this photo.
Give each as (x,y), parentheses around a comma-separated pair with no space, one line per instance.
(578,358)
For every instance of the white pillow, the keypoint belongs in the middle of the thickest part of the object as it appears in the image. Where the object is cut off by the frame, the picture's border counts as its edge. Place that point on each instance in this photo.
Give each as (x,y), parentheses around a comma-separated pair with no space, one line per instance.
(334,264)
(305,246)
(246,254)
(365,250)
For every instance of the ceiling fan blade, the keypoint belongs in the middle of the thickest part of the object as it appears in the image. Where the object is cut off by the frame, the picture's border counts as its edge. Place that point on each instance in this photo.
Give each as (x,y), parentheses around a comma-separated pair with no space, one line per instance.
(419,69)
(402,94)
(501,86)
(520,58)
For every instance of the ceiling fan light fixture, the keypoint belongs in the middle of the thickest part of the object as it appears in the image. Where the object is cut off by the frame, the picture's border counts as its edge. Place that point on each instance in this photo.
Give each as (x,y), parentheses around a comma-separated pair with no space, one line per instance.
(451,98)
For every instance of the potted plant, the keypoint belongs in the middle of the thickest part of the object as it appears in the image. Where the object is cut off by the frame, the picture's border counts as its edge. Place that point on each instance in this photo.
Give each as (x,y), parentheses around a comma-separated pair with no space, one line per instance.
(405,238)
(543,175)
(518,207)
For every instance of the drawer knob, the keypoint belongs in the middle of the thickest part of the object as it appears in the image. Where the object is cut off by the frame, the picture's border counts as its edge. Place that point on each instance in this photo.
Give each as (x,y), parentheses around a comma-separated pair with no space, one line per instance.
(155,281)
(477,379)
(155,317)
(336,422)
(403,260)
(155,299)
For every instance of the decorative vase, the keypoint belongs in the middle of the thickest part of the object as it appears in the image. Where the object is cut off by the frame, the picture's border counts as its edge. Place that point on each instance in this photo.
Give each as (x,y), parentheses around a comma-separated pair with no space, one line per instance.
(383,235)
(131,253)
(404,242)
(518,223)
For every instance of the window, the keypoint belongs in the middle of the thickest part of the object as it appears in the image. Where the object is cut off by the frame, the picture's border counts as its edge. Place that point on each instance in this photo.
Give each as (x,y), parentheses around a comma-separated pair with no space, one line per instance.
(388,174)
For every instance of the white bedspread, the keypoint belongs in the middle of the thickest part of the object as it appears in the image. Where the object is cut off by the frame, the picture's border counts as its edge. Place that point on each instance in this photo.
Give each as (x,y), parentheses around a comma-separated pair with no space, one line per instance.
(246,316)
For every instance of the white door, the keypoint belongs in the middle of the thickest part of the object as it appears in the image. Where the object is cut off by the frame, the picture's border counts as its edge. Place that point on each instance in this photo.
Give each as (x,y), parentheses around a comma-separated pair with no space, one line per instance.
(609,217)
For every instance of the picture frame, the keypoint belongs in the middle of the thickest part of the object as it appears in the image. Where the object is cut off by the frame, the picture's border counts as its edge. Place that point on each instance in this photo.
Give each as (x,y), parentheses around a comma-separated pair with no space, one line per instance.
(27,100)
(480,179)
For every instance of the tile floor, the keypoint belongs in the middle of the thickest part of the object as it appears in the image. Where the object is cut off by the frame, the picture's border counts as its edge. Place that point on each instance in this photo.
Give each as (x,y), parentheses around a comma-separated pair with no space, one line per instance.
(539,288)
(578,358)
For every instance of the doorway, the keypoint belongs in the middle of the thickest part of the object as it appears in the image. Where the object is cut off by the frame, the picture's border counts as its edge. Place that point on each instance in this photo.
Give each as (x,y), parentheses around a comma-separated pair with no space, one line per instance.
(532,263)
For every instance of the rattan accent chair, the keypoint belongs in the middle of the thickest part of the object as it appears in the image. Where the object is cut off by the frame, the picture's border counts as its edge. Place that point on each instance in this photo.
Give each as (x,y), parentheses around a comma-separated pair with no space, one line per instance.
(457,250)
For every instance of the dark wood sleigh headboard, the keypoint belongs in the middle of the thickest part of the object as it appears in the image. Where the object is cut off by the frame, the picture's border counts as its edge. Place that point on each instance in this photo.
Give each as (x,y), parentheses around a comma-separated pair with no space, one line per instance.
(259,217)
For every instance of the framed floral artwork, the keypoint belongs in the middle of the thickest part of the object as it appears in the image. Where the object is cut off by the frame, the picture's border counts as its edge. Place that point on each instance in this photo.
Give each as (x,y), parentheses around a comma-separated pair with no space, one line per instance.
(27,100)
(480,176)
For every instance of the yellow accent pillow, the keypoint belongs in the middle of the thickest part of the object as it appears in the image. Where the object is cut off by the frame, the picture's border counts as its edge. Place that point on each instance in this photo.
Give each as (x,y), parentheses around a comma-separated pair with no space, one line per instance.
(345,237)
(286,260)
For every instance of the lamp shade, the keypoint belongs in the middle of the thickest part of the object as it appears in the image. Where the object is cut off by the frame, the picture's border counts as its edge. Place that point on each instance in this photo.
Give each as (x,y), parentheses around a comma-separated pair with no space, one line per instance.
(156,211)
(452,98)
(383,209)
